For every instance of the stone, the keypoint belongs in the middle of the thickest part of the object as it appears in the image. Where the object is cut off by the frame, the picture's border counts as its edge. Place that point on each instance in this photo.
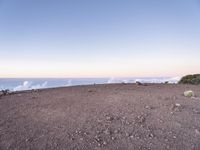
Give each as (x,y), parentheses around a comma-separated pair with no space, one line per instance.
(127,134)
(177,105)
(90,90)
(138,83)
(147,107)
(1,93)
(197,131)
(4,92)
(107,132)
(189,93)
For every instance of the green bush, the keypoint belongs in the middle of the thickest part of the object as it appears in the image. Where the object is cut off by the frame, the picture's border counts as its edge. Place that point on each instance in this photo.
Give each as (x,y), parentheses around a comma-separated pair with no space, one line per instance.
(190,79)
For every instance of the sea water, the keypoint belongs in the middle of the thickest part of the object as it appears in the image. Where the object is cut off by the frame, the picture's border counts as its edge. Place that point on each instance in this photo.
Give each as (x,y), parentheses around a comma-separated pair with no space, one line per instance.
(18,84)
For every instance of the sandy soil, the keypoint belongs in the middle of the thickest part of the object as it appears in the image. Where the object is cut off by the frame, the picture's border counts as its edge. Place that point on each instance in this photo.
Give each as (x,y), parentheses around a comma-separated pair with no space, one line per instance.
(108,117)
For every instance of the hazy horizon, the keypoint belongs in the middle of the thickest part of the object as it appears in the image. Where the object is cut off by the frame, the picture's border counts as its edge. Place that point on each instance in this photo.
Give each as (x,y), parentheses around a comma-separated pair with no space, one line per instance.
(96,39)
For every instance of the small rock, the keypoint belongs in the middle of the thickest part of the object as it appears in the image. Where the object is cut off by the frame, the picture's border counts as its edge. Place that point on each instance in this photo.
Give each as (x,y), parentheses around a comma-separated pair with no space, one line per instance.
(196,98)
(174,137)
(128,123)
(197,131)
(107,132)
(27,140)
(140,119)
(147,107)
(196,111)
(138,83)
(90,90)
(150,135)
(116,131)
(113,138)
(104,143)
(177,105)
(168,147)
(127,134)
(189,93)
(35,90)
(123,118)
(1,93)
(97,138)
(108,118)
(4,92)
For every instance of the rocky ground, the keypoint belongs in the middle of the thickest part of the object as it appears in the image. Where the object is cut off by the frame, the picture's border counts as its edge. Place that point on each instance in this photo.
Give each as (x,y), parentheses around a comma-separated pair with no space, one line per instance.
(107,117)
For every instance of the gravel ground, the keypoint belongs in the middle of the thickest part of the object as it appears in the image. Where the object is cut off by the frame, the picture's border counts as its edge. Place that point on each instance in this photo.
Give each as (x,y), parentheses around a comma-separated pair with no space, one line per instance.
(107,117)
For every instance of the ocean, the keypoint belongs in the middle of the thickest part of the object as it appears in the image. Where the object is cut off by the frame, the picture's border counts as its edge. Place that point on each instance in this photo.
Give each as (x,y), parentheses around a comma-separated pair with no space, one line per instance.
(19,84)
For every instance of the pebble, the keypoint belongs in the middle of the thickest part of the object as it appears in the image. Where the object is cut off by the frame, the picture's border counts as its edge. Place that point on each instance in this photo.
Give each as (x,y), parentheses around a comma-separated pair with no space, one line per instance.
(174,137)
(168,147)
(140,119)
(76,131)
(127,134)
(147,107)
(116,131)
(196,111)
(1,93)
(123,118)
(177,105)
(90,90)
(108,118)
(151,135)
(197,131)
(107,132)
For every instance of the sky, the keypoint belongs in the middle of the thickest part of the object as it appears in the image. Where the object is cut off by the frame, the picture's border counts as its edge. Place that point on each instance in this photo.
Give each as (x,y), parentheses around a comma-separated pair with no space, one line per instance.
(99,38)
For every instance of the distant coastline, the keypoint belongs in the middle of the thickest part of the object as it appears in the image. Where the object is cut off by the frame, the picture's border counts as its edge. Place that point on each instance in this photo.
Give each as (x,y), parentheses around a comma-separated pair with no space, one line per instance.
(20,84)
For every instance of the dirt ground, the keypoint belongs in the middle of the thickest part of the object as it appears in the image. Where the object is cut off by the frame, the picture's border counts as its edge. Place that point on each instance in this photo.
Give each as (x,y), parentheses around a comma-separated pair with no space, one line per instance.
(107,117)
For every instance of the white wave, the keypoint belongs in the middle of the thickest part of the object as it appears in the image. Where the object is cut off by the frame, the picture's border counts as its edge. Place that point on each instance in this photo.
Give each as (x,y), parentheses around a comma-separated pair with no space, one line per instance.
(111,80)
(27,85)
(144,80)
(39,86)
(174,79)
(117,80)
(69,83)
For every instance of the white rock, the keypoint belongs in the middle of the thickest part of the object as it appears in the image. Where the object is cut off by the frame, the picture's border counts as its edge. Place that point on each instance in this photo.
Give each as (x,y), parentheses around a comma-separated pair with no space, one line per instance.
(189,93)
(197,131)
(177,105)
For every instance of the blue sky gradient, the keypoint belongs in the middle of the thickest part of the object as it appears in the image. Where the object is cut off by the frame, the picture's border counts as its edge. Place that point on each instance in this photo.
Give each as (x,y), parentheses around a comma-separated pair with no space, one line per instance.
(99,38)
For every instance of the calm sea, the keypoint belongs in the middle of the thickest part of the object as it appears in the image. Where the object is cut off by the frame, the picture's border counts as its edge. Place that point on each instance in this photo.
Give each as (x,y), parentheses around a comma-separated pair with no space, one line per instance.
(17,84)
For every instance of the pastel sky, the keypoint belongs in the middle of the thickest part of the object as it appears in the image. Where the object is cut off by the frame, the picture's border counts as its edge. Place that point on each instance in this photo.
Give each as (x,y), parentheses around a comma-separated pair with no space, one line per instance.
(99,38)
